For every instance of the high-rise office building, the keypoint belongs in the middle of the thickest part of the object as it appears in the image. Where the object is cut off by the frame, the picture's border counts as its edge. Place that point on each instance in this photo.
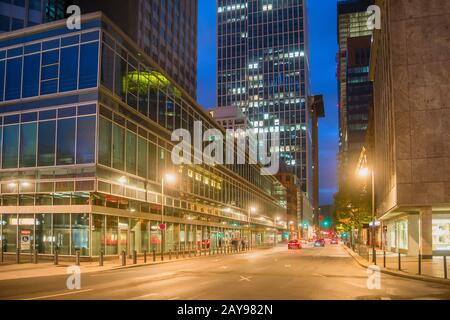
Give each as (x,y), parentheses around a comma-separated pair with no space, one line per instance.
(18,14)
(165,30)
(354,86)
(263,69)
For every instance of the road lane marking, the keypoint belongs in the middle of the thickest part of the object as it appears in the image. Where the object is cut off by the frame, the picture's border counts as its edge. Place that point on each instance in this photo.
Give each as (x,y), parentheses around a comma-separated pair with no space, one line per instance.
(58,295)
(287,266)
(175,298)
(223,267)
(319,275)
(248,279)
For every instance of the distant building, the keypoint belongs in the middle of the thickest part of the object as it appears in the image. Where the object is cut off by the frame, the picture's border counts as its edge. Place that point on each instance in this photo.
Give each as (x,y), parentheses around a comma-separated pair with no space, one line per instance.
(299,207)
(230,117)
(354,87)
(410,68)
(263,68)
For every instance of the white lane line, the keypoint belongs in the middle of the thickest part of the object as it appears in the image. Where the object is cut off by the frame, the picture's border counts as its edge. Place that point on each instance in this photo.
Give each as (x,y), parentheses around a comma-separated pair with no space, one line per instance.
(59,294)
(248,279)
(175,298)
(144,296)
(319,275)
(223,267)
(287,266)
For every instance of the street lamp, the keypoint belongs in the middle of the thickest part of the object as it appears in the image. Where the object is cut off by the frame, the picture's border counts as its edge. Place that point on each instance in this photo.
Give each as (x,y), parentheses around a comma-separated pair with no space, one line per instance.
(365,172)
(169,178)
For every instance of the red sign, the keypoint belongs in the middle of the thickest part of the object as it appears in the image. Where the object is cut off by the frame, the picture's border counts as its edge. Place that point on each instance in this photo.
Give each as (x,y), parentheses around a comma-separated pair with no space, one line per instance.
(162,226)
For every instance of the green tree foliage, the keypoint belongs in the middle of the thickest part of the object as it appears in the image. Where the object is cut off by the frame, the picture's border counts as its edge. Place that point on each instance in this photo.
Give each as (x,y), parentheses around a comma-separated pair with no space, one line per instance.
(353,207)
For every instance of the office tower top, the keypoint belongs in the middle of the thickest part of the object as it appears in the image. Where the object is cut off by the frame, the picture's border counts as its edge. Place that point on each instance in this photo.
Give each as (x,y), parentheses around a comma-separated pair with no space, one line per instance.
(263,69)
(165,30)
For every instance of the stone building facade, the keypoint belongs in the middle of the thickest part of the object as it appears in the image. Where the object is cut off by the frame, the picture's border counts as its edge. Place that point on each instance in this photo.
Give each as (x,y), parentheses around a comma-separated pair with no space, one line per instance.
(411,71)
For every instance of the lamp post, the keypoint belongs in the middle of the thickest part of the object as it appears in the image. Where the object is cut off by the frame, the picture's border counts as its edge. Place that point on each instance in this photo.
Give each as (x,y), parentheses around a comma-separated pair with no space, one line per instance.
(364,172)
(167,178)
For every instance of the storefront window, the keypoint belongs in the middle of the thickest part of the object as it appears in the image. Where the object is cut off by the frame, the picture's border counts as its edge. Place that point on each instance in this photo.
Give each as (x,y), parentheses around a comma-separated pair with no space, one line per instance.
(123,234)
(111,235)
(145,235)
(441,234)
(155,236)
(80,233)
(9,237)
(61,232)
(98,234)
(26,233)
(44,239)
(135,235)
(402,231)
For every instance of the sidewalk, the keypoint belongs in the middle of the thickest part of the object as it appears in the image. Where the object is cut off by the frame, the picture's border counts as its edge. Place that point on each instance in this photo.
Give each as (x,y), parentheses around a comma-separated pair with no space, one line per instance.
(432,270)
(9,270)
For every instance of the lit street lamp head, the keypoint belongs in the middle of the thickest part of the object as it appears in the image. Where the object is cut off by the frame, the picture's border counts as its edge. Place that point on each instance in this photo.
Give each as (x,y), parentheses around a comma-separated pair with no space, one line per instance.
(169,178)
(363,172)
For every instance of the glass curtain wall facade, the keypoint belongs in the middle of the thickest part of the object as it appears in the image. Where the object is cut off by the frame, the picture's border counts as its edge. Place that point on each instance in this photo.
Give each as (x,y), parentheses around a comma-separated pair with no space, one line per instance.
(263,69)
(85,141)
(354,89)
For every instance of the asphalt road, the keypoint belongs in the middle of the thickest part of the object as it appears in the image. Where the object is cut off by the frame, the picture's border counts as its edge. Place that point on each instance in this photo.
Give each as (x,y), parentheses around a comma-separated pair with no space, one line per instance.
(310,273)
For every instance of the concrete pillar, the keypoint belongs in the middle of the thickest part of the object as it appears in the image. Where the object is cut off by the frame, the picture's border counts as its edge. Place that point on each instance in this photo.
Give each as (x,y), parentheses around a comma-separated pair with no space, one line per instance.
(426,231)
(413,235)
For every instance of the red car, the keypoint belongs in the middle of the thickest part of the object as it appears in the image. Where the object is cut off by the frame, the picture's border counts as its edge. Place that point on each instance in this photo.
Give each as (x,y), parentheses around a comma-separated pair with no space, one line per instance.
(294,244)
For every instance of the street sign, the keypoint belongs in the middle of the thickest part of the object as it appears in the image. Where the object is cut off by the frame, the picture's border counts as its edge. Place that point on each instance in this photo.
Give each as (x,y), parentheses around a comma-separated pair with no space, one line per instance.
(162,226)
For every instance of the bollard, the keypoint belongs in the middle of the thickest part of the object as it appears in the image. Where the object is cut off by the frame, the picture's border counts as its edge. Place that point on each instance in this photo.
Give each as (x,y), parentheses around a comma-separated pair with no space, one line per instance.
(154,255)
(184,253)
(18,256)
(419,265)
(162,255)
(189,252)
(195,252)
(384,258)
(134,257)
(100,259)
(35,256)
(77,257)
(55,259)
(445,268)
(124,258)
(177,254)
(145,256)
(170,254)
(210,251)
(399,262)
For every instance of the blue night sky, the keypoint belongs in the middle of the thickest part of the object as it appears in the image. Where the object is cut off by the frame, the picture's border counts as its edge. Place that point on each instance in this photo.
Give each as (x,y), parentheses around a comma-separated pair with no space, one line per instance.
(323,47)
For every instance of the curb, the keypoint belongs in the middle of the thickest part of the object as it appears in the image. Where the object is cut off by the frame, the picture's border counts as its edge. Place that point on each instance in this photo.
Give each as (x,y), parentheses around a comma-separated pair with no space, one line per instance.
(178,260)
(365,264)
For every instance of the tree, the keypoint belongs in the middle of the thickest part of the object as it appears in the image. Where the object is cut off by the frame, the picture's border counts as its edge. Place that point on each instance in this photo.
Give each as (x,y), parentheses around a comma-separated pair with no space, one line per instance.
(353,208)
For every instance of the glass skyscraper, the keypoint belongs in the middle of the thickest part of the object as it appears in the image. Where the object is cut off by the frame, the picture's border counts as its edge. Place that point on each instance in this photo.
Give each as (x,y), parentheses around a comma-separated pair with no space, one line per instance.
(85,125)
(263,69)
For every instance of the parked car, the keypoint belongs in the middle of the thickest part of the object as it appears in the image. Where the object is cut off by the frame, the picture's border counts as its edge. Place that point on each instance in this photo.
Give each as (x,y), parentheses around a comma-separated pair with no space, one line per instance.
(334,241)
(319,243)
(294,244)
